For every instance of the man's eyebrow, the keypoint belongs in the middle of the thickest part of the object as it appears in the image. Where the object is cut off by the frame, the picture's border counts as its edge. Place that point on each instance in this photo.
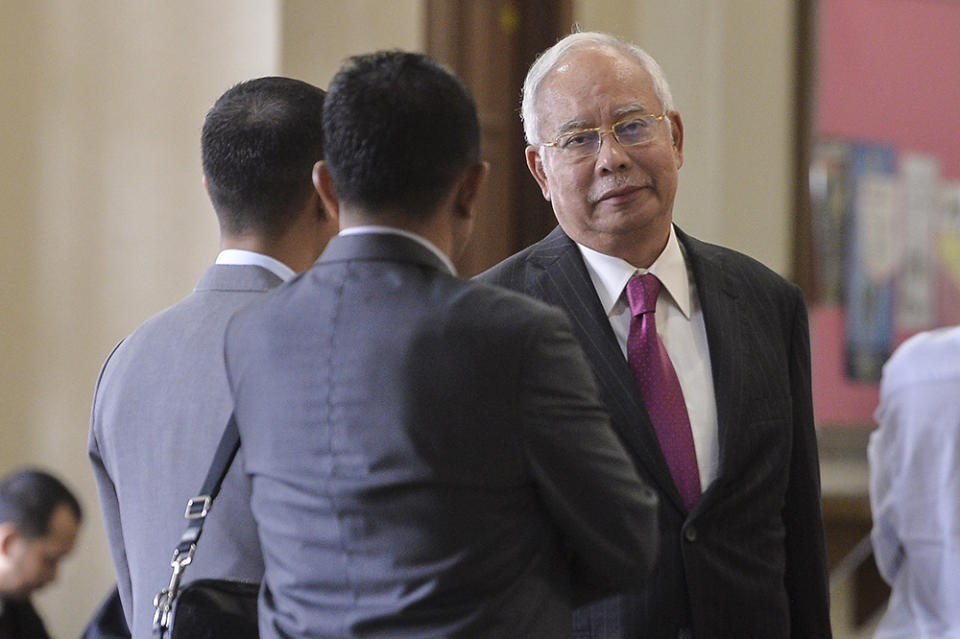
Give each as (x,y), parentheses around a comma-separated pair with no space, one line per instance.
(618,114)
(629,109)
(573,125)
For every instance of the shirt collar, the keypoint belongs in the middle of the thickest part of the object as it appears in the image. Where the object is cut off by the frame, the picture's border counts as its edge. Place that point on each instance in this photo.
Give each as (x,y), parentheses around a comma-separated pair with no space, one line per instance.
(375,228)
(610,274)
(243,257)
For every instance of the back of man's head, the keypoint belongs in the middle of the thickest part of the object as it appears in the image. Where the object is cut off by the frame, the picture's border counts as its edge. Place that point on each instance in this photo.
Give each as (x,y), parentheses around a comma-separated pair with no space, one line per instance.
(260,142)
(28,498)
(399,129)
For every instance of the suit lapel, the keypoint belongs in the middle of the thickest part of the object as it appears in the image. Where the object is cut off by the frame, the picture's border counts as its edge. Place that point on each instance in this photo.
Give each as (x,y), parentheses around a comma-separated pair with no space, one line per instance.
(719,302)
(556,274)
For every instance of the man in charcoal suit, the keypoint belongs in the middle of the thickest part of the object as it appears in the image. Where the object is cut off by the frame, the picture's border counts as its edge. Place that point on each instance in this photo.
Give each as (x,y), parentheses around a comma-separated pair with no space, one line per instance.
(701,354)
(162,400)
(429,456)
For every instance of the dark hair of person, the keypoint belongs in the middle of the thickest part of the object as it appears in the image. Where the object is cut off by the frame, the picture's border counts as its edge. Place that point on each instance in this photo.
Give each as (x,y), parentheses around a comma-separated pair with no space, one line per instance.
(259,143)
(399,128)
(28,498)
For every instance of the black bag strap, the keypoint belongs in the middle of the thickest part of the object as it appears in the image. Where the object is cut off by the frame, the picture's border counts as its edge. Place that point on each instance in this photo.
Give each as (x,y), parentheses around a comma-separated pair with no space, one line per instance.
(196,514)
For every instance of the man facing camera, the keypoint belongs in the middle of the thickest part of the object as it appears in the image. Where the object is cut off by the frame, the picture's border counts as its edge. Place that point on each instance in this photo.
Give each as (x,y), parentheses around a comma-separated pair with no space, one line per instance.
(701,354)
(162,399)
(429,457)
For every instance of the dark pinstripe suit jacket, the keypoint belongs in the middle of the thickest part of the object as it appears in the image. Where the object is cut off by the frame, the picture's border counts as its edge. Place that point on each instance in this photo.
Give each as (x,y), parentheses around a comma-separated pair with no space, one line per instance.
(748,561)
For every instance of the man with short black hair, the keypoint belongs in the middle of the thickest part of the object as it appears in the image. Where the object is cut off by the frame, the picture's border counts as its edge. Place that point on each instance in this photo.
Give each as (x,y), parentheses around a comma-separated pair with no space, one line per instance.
(428,454)
(39,520)
(162,400)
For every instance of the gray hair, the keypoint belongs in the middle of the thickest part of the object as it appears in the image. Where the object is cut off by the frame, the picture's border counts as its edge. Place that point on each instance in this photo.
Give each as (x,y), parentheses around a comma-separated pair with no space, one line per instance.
(551,58)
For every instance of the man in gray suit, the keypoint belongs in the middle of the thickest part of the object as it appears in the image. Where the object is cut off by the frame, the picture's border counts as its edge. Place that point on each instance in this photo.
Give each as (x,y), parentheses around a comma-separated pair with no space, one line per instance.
(701,353)
(429,457)
(162,400)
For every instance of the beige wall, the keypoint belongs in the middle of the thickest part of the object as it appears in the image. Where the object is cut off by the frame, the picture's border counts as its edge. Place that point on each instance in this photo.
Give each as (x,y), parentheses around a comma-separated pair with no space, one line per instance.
(318,35)
(105,221)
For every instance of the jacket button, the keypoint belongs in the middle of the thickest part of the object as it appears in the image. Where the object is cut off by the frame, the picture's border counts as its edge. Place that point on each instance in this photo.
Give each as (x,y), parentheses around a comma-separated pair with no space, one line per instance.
(690,534)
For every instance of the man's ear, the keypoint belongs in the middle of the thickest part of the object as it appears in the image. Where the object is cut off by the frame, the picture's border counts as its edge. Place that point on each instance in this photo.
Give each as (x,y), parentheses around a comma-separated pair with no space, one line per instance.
(8,536)
(468,191)
(676,134)
(323,183)
(535,164)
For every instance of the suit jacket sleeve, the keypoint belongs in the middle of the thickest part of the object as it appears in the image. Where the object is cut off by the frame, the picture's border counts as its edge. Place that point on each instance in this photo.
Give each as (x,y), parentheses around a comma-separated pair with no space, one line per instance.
(806,570)
(607,515)
(109,506)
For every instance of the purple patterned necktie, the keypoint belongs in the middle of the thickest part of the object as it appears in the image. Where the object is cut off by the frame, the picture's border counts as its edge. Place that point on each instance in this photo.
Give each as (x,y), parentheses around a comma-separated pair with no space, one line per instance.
(660,387)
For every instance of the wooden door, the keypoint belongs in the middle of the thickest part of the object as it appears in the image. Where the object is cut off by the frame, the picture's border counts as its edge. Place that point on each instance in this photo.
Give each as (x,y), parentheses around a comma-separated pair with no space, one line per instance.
(491,44)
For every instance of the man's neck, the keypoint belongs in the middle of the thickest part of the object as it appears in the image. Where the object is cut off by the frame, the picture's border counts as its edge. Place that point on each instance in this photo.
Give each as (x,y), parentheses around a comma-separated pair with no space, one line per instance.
(289,253)
(639,250)
(429,228)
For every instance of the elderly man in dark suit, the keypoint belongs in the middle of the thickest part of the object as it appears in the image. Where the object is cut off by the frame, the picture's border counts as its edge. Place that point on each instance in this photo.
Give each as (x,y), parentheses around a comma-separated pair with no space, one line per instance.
(162,399)
(429,456)
(701,354)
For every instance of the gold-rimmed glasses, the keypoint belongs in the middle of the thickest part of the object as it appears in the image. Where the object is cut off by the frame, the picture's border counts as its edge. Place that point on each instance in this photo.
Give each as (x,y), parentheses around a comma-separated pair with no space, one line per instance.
(631,131)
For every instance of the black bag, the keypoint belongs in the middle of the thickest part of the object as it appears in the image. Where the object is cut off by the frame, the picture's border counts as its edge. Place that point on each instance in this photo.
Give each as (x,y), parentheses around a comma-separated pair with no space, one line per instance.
(216,608)
(206,608)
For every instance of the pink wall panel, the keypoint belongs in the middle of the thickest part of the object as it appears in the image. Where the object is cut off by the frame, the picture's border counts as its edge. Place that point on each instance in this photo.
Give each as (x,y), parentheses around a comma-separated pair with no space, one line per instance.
(889,70)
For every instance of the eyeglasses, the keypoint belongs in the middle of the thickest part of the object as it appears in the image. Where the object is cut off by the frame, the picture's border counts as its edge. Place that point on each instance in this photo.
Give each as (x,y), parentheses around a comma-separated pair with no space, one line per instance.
(633,131)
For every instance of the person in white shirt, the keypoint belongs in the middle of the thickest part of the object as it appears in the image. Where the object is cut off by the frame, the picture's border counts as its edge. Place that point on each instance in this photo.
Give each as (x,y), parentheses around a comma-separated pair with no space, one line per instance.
(915,487)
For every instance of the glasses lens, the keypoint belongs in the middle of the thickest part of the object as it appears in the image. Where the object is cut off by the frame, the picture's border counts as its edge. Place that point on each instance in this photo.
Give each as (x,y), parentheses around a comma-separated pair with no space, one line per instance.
(580,142)
(630,132)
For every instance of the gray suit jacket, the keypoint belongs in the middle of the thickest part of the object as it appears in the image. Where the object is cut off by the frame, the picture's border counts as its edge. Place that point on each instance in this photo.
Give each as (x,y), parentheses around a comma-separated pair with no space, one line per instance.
(160,407)
(429,457)
(749,559)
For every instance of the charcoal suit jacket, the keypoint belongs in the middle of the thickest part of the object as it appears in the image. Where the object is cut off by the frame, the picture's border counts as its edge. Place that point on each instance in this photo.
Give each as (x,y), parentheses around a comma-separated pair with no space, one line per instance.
(748,560)
(429,456)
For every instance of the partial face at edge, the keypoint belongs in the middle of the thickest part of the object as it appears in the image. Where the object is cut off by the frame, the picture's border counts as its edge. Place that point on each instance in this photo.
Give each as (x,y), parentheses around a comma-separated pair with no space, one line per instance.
(30,564)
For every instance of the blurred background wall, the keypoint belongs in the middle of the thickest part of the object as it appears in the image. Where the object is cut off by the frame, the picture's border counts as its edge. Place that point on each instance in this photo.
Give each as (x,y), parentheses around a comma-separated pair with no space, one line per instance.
(105,221)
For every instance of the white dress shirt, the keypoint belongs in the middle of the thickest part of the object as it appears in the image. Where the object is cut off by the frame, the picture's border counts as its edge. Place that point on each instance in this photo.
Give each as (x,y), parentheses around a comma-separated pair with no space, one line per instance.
(243,257)
(681,328)
(915,487)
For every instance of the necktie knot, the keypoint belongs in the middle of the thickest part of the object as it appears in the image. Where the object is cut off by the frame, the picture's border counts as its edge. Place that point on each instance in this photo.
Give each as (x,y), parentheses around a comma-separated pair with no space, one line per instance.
(642,292)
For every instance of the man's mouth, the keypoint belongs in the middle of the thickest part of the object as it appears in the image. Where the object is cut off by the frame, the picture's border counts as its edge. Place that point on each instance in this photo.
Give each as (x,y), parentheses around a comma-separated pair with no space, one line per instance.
(620,194)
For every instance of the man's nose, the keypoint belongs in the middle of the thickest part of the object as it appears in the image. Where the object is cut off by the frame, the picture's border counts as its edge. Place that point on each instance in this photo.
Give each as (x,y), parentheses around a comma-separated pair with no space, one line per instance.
(611,156)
